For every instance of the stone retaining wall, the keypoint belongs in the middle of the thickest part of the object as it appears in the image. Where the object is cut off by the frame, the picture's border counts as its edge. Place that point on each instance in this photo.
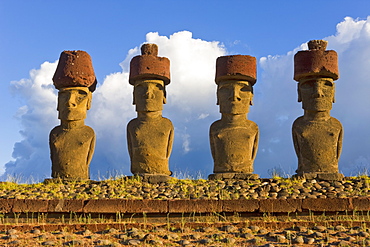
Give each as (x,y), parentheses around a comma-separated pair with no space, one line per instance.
(185,206)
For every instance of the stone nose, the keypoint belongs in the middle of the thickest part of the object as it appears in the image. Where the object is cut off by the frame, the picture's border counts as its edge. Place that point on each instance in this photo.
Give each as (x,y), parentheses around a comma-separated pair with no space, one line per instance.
(149,94)
(71,100)
(318,91)
(235,94)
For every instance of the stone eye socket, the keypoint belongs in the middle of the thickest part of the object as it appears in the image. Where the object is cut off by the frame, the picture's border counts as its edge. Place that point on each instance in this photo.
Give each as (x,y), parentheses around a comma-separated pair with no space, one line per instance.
(245,89)
(159,86)
(307,85)
(82,93)
(328,83)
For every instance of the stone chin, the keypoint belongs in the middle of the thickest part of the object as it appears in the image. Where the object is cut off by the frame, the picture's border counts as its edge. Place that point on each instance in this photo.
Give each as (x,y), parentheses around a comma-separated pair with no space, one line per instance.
(72,114)
(149,106)
(234,108)
(318,105)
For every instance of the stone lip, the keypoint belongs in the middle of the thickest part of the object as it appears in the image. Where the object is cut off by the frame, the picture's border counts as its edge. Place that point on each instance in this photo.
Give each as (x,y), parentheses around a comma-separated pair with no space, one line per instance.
(149,65)
(236,67)
(316,63)
(75,70)
(185,206)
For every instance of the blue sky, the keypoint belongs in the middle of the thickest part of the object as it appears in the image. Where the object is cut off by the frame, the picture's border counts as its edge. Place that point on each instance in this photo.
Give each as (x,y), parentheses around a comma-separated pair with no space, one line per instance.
(192,34)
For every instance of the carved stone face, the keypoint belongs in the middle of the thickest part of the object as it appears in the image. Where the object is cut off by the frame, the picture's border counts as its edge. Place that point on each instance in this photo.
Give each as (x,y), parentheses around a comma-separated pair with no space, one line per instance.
(234,97)
(73,102)
(149,95)
(316,94)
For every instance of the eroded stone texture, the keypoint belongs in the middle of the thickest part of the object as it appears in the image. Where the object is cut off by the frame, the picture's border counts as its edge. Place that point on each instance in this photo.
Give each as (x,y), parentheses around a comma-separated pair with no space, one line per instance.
(234,138)
(149,136)
(317,136)
(75,70)
(72,143)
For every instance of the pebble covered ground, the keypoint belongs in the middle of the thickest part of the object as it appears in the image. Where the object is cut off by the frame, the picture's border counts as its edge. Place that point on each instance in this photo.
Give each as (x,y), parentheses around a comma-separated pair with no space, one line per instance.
(228,235)
(190,189)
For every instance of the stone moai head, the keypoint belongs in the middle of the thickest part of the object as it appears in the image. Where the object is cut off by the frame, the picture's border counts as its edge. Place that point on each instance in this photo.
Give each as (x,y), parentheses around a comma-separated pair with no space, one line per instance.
(316,70)
(149,74)
(235,77)
(75,79)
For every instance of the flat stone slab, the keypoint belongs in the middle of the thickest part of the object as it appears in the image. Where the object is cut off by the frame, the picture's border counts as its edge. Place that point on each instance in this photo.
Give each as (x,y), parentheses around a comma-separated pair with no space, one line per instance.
(335,176)
(152,178)
(230,175)
(184,206)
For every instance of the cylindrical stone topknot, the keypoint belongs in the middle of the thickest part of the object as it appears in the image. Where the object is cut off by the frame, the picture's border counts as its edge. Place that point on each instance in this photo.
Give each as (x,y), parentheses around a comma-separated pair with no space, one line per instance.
(149,49)
(317,45)
(75,70)
(236,67)
(149,65)
(316,62)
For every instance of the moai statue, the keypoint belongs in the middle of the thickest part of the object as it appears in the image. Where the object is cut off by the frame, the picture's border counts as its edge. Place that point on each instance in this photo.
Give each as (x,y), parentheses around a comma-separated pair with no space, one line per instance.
(72,143)
(150,136)
(317,136)
(234,138)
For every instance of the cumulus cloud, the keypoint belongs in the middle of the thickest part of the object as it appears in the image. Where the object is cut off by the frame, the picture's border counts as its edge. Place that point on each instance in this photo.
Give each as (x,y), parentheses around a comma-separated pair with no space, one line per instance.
(190,95)
(191,106)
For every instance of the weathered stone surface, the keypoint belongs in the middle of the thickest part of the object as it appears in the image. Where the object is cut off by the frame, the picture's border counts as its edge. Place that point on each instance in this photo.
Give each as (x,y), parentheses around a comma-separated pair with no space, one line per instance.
(194,206)
(67,205)
(75,70)
(153,178)
(5,206)
(72,143)
(317,136)
(316,62)
(231,175)
(149,66)
(31,205)
(250,205)
(327,204)
(146,206)
(149,136)
(236,67)
(321,176)
(105,206)
(276,206)
(361,203)
(234,138)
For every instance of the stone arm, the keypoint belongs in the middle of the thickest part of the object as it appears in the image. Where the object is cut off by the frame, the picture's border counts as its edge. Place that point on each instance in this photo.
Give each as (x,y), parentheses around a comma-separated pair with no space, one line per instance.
(340,143)
(255,146)
(51,146)
(296,143)
(212,143)
(170,143)
(129,142)
(91,150)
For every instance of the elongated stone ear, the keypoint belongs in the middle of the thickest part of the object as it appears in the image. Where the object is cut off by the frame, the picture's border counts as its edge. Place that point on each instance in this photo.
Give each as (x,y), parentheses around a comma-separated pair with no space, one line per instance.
(89,100)
(299,93)
(164,95)
(334,93)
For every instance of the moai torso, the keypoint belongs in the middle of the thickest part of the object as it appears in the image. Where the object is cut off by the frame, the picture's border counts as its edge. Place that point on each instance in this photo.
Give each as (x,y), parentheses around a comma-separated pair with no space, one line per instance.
(150,136)
(317,136)
(234,147)
(234,138)
(150,144)
(71,151)
(318,144)
(72,143)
